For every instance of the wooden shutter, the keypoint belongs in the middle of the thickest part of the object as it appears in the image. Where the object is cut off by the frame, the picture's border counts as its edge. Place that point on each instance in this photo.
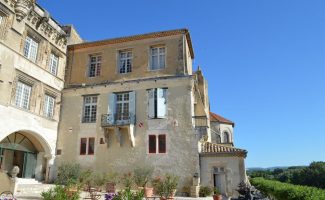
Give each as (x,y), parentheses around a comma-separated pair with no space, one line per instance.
(132,105)
(162,143)
(151,103)
(152,144)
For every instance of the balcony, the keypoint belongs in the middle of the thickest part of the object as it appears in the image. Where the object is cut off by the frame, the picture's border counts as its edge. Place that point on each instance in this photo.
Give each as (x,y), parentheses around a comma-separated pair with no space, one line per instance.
(118,119)
(200,121)
(117,124)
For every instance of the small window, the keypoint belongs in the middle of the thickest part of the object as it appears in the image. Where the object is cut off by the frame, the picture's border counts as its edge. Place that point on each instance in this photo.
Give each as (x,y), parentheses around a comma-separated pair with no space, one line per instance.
(87,146)
(157,58)
(218,138)
(48,110)
(23,93)
(95,65)
(159,140)
(83,146)
(54,63)
(91,146)
(30,48)
(90,109)
(58,152)
(157,103)
(125,63)
(226,137)
(162,143)
(152,144)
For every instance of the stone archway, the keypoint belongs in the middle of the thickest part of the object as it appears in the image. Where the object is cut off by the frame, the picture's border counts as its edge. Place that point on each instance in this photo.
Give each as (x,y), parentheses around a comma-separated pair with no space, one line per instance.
(28,151)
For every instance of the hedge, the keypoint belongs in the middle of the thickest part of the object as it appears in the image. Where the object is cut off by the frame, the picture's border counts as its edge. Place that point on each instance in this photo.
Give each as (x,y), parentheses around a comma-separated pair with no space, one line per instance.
(286,191)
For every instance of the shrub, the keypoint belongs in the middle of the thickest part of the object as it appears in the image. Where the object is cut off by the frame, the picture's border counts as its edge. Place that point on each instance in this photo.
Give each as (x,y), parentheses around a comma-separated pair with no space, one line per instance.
(205,191)
(59,193)
(68,174)
(165,187)
(142,176)
(286,191)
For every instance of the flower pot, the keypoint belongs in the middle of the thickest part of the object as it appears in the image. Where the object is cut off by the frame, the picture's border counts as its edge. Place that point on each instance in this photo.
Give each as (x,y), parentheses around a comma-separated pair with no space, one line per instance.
(110,187)
(148,192)
(217,197)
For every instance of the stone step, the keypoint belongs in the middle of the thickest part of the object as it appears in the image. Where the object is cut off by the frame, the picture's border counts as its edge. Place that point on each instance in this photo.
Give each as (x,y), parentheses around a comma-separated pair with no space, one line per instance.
(32,189)
(27,181)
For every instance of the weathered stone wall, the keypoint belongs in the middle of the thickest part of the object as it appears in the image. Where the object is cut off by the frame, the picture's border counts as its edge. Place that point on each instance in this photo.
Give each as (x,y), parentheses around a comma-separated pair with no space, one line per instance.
(181,158)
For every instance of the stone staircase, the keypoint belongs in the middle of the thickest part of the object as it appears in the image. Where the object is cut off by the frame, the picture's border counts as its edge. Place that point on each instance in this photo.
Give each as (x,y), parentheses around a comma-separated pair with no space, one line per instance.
(31,189)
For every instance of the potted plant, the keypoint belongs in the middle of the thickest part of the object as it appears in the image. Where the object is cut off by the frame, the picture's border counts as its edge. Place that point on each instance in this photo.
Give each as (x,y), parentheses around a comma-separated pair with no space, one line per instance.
(216,194)
(165,187)
(142,177)
(111,181)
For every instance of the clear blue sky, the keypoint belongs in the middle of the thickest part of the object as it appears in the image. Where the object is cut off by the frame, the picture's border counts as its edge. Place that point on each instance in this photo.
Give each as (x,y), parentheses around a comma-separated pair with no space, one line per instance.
(264,60)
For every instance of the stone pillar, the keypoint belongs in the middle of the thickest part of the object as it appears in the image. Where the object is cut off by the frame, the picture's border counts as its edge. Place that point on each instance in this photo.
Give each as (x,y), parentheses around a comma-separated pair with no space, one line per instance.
(49,168)
(195,188)
(39,166)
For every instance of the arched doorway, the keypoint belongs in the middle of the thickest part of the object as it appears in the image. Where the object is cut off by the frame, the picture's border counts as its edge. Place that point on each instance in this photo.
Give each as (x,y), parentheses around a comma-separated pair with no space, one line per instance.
(22,149)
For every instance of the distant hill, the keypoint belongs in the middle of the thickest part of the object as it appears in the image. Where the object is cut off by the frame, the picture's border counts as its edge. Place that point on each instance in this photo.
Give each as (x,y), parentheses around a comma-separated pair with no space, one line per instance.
(271,168)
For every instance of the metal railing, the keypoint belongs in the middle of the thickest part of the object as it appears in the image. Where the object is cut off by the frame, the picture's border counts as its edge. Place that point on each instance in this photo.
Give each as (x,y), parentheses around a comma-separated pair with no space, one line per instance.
(117,119)
(200,121)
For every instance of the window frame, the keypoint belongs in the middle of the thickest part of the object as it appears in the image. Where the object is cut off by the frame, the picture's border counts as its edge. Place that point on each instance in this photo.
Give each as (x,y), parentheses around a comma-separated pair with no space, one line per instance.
(123,103)
(87,146)
(97,65)
(225,135)
(154,92)
(47,106)
(159,67)
(92,119)
(27,49)
(51,61)
(126,59)
(21,101)
(157,143)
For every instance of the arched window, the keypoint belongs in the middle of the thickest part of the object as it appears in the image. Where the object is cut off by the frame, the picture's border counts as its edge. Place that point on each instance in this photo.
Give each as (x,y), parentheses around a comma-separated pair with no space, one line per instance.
(218,138)
(226,137)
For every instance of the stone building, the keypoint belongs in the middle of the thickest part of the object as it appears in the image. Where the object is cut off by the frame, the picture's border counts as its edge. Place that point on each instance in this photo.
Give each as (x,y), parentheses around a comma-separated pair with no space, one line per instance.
(134,102)
(32,67)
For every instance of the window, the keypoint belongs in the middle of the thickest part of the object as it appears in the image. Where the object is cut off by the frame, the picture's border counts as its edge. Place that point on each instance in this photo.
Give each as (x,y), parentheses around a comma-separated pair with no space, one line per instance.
(122,106)
(90,109)
(157,58)
(54,63)
(23,92)
(91,146)
(157,144)
(48,110)
(152,144)
(226,137)
(83,146)
(125,64)
(157,103)
(95,65)
(30,49)
(218,138)
(87,146)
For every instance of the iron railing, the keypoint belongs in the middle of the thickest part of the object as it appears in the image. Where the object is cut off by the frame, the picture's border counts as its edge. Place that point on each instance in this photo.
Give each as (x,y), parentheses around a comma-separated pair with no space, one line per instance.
(117,119)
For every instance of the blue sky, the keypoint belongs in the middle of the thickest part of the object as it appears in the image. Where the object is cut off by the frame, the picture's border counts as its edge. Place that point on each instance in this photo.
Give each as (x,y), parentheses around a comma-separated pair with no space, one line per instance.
(264,60)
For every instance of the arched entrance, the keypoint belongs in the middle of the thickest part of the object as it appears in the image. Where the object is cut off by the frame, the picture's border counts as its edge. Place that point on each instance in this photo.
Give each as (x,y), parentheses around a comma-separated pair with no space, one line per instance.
(24,150)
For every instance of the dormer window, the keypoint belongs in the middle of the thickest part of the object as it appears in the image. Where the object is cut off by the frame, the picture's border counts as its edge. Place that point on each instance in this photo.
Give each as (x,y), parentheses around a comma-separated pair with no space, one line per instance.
(30,48)
(95,65)
(226,137)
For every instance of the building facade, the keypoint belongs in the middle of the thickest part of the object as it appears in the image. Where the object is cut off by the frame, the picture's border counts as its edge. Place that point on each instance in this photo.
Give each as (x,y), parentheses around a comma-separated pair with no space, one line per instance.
(136,102)
(32,67)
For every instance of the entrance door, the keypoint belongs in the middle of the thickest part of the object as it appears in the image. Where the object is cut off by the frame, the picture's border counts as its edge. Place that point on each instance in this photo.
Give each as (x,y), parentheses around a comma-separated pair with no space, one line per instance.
(220,182)
(18,160)
(30,160)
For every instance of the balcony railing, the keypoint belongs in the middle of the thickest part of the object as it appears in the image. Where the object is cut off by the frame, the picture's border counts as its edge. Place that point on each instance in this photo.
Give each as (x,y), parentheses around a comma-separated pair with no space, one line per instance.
(200,121)
(118,119)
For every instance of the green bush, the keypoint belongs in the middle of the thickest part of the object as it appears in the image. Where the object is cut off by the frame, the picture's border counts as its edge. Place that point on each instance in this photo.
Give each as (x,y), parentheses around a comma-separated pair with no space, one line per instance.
(286,191)
(59,193)
(142,176)
(68,174)
(205,191)
(165,187)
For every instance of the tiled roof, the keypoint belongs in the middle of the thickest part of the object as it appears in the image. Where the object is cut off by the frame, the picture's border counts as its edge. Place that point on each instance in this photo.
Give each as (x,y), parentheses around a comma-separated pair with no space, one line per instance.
(213,148)
(137,37)
(217,118)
